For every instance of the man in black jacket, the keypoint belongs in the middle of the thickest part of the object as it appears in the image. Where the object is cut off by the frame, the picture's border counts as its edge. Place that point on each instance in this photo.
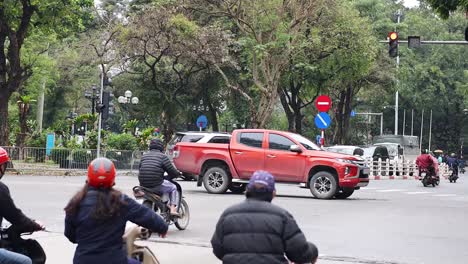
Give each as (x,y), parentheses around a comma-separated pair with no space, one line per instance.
(151,173)
(256,231)
(10,212)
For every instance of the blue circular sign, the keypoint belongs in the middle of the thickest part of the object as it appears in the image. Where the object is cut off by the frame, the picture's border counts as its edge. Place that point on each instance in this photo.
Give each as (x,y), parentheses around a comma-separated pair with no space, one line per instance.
(322,120)
(202,121)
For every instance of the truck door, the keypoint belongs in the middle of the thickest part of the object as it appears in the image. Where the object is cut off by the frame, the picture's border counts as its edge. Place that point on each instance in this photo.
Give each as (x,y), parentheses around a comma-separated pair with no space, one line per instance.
(247,153)
(284,164)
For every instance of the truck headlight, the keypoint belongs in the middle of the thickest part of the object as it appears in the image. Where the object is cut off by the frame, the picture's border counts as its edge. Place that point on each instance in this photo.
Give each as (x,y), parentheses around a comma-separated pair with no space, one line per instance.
(345,161)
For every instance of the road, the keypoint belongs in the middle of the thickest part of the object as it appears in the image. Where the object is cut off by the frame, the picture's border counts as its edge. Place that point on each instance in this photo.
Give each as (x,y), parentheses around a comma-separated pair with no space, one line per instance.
(393,221)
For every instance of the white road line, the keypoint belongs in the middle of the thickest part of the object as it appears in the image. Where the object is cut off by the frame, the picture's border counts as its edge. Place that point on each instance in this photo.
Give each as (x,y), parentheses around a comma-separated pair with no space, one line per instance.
(417,192)
(391,190)
(444,195)
(369,188)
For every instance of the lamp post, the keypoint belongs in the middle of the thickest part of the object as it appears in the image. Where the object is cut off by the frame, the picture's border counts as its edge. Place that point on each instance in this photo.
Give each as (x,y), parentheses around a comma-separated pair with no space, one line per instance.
(128,99)
(93,96)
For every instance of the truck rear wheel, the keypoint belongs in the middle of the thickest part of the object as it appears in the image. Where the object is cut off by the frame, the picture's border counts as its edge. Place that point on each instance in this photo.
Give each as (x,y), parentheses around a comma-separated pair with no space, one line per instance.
(344,193)
(323,185)
(216,180)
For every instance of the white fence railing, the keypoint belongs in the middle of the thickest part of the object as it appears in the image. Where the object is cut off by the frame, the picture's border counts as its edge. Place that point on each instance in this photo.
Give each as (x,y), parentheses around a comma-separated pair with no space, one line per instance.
(391,169)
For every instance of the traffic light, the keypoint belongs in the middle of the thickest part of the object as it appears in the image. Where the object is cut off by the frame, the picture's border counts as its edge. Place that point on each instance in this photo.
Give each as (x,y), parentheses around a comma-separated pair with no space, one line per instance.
(393,44)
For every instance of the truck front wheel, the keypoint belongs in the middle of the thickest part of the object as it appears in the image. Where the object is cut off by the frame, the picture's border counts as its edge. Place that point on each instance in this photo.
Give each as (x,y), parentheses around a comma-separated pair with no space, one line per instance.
(323,185)
(216,180)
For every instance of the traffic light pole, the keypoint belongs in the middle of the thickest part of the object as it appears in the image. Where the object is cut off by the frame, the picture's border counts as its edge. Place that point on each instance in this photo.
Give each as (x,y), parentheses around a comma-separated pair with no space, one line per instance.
(98,154)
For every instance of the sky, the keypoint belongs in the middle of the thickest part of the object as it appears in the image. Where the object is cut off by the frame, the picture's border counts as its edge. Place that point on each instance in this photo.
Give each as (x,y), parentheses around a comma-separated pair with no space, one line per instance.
(410,3)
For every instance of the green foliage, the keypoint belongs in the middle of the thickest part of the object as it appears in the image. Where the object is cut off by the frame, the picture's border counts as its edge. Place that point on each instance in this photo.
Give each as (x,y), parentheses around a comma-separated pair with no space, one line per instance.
(444,7)
(83,155)
(37,140)
(122,142)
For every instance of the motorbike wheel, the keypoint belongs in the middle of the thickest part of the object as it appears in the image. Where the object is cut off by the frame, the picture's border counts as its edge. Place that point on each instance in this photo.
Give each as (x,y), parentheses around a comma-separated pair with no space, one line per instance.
(237,188)
(146,232)
(424,182)
(182,222)
(344,193)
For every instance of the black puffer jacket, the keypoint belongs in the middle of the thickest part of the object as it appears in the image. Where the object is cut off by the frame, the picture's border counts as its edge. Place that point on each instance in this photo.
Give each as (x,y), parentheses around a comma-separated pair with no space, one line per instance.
(10,212)
(260,232)
(153,165)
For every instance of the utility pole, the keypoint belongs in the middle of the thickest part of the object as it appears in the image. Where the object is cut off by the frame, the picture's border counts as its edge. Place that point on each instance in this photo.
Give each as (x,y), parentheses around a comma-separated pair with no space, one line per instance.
(430,131)
(399,14)
(412,119)
(404,121)
(40,101)
(422,125)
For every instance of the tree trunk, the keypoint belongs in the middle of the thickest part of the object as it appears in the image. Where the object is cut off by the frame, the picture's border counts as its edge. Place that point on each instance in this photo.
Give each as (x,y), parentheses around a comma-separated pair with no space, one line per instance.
(338,135)
(4,131)
(287,110)
(261,115)
(298,121)
(347,114)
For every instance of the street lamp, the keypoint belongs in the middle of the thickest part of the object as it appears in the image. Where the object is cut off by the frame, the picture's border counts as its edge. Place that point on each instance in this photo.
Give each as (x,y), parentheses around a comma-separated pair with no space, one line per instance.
(93,96)
(200,107)
(127,99)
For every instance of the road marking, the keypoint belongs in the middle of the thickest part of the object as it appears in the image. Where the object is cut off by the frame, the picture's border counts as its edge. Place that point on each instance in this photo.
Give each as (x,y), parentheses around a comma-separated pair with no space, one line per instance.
(321,119)
(444,195)
(417,192)
(369,188)
(391,190)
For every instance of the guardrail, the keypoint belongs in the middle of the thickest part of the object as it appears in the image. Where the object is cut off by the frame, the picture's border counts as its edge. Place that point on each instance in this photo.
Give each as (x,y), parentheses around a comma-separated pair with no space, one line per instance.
(63,159)
(399,170)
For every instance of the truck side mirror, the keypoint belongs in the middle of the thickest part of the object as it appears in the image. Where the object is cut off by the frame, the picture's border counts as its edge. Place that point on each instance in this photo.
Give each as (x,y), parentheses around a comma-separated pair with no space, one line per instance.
(295,148)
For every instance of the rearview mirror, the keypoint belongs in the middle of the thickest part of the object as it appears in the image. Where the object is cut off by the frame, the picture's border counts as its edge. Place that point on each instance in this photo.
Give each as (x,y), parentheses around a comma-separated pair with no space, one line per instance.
(295,148)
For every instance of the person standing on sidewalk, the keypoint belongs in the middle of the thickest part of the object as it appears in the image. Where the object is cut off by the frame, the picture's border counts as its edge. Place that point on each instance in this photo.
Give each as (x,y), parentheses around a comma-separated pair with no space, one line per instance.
(256,231)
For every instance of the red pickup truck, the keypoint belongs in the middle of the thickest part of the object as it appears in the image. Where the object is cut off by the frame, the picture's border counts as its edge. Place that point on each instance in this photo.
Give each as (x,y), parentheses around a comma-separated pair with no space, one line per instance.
(290,157)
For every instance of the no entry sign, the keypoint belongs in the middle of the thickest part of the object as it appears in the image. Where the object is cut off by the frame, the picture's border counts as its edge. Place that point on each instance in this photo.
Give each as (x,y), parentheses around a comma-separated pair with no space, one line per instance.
(323,103)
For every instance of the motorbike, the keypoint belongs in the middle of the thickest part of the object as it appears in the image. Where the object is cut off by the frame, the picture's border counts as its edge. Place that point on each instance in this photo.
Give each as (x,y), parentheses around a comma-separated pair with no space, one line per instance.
(454,176)
(11,239)
(428,178)
(138,252)
(159,203)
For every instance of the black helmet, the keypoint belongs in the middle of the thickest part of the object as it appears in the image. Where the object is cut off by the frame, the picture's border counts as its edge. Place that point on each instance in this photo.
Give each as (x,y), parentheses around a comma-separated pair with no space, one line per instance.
(156,143)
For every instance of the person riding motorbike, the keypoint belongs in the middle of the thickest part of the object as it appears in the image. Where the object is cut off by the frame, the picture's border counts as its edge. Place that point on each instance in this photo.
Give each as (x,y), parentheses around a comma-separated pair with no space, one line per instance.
(12,214)
(425,162)
(153,165)
(453,163)
(96,216)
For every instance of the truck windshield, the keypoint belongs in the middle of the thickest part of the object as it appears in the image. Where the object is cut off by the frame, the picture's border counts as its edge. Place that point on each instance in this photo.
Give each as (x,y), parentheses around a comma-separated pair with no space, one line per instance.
(309,145)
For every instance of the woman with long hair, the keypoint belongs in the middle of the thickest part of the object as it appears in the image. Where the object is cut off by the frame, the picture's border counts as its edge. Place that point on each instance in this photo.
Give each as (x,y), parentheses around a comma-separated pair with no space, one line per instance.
(96,217)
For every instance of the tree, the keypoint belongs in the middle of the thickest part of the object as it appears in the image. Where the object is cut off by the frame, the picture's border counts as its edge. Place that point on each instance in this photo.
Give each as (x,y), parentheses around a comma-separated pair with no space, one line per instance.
(444,7)
(17,19)
(24,104)
(268,29)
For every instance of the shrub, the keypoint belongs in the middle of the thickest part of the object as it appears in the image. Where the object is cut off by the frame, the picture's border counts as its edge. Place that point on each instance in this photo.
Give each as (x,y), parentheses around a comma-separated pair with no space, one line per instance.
(122,142)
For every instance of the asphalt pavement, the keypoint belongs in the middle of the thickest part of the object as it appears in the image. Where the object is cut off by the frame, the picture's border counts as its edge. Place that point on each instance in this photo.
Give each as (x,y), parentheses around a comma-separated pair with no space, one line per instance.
(390,221)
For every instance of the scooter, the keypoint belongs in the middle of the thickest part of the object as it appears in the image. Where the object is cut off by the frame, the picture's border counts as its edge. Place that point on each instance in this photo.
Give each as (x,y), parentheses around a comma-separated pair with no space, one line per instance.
(454,176)
(141,253)
(11,239)
(429,179)
(160,204)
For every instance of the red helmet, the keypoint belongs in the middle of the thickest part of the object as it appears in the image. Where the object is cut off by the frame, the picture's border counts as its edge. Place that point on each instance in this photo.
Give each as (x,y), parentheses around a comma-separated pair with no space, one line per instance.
(101,173)
(3,156)
(3,160)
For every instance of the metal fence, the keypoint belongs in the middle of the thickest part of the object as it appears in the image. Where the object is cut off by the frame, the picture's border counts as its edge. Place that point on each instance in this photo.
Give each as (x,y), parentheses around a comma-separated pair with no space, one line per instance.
(42,159)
